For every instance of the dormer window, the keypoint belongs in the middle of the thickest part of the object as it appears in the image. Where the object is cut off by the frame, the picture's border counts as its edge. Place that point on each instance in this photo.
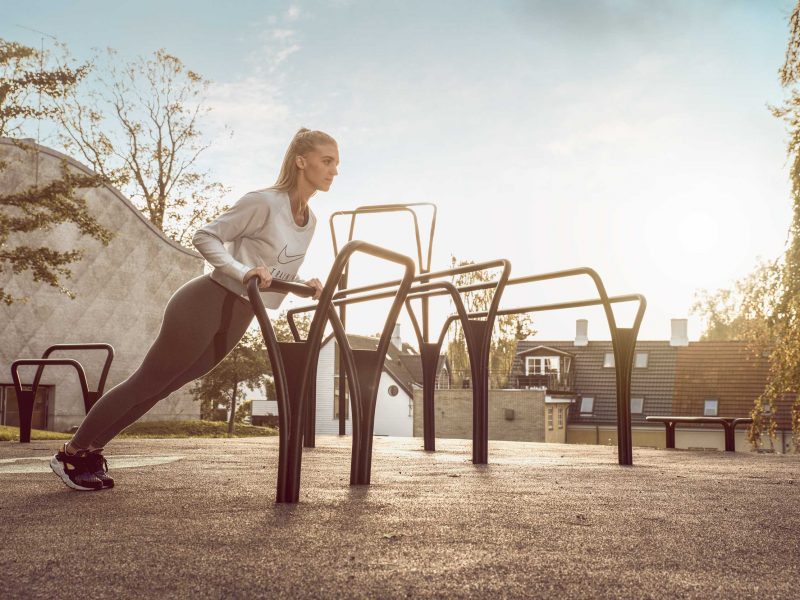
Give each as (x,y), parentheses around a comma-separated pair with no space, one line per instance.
(542,365)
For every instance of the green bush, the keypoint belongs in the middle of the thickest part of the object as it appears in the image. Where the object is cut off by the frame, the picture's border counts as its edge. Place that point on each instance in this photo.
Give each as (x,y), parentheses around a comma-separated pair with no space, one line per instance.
(182,429)
(11,434)
(155,429)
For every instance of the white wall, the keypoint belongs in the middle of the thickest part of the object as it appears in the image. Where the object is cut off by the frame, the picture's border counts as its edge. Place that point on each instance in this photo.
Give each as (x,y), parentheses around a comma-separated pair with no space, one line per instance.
(393,415)
(325,423)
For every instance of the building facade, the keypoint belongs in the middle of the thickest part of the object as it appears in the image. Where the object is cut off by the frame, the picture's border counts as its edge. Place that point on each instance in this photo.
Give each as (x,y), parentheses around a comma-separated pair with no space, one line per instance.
(669,378)
(121,291)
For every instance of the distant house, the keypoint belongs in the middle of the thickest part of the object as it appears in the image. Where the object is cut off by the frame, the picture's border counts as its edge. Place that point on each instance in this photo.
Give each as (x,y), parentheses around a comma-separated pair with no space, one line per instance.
(674,377)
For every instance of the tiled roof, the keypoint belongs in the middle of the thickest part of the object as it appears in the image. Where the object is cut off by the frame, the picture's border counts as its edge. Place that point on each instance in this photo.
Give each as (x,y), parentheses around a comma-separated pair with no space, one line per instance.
(676,381)
(653,383)
(728,372)
(405,367)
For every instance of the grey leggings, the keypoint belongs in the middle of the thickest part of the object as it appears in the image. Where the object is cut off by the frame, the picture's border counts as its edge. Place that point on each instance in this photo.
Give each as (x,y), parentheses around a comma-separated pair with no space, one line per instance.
(203,322)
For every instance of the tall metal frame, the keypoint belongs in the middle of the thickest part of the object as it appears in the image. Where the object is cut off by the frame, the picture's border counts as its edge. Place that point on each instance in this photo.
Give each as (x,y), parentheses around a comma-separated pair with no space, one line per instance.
(294,367)
(477,333)
(623,342)
(424,266)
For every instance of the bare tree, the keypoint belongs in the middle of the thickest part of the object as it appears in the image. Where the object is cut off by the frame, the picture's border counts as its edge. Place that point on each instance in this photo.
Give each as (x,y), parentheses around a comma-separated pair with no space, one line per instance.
(138,125)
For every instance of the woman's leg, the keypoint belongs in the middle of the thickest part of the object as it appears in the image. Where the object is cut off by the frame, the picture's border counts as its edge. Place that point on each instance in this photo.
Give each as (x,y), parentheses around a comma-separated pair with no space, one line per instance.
(224,343)
(193,318)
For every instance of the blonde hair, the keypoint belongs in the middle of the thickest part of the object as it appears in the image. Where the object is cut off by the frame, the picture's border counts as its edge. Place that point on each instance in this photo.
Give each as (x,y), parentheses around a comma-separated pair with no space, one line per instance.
(303,142)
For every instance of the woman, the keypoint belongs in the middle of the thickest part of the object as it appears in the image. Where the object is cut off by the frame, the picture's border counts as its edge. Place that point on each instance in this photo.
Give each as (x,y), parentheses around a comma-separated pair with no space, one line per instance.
(265,234)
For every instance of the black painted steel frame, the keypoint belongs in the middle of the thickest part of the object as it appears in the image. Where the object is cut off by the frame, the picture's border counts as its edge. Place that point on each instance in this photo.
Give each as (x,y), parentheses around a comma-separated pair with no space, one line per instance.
(623,343)
(26,398)
(294,367)
(477,333)
(423,265)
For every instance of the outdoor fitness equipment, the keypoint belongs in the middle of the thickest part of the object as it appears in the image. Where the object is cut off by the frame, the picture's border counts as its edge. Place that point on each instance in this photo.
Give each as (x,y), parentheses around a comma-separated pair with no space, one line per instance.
(478,334)
(423,264)
(26,398)
(294,366)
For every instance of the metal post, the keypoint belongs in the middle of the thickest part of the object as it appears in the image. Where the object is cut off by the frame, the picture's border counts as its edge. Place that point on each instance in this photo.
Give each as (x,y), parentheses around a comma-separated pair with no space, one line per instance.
(429,354)
(670,425)
(624,343)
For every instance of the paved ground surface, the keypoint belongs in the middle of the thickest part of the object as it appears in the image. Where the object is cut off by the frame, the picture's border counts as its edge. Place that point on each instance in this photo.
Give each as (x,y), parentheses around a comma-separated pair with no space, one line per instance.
(542,520)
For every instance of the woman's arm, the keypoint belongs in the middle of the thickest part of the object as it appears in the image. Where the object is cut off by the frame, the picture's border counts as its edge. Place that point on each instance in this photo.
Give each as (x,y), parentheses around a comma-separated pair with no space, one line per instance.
(243,219)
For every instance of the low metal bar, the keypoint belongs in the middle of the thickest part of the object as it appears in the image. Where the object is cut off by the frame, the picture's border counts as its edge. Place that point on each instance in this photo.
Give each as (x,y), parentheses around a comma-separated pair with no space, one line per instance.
(91,396)
(27,398)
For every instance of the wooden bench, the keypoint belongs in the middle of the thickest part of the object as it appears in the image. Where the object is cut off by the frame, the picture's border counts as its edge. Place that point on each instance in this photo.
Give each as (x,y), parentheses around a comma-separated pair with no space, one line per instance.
(728,423)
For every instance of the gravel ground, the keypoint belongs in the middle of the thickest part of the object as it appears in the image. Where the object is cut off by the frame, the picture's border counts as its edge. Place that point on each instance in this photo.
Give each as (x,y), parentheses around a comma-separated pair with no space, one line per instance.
(541,520)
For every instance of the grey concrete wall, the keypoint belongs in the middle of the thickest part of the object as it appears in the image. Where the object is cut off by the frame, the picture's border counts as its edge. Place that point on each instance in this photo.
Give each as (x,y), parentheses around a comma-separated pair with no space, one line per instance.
(453,410)
(121,291)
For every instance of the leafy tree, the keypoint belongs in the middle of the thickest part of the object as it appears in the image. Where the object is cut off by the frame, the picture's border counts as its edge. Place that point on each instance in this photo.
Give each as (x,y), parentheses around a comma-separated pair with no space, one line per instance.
(743,312)
(28,92)
(764,308)
(245,365)
(138,125)
(508,329)
(783,295)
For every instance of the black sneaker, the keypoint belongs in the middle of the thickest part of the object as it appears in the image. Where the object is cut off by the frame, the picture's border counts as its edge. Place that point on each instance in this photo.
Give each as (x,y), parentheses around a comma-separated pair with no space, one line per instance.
(74,471)
(98,467)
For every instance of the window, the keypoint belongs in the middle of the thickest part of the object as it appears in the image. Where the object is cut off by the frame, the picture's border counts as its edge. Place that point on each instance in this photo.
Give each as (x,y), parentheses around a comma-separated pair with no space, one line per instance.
(550,418)
(608,360)
(393,390)
(587,405)
(541,365)
(641,360)
(710,408)
(560,418)
(637,406)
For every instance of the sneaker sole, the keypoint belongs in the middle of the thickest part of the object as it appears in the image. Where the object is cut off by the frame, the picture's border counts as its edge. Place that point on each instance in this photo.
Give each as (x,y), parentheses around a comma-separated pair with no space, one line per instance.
(58,469)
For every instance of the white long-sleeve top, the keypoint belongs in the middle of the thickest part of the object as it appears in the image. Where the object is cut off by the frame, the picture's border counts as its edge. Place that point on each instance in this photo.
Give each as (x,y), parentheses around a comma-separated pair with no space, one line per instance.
(258,230)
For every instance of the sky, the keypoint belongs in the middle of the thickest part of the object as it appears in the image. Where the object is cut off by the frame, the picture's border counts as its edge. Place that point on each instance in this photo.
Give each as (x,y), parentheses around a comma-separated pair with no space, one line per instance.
(634,138)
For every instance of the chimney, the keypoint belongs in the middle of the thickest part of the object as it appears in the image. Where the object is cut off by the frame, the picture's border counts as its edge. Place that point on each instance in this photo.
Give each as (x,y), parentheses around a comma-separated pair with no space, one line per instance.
(582,332)
(679,337)
(396,341)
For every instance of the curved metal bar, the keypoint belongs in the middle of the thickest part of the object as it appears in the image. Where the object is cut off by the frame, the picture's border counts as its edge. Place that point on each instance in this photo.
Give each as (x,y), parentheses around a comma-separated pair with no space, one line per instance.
(90,346)
(346,354)
(383,208)
(281,384)
(293,391)
(429,356)
(26,399)
(42,363)
(426,277)
(395,207)
(377,209)
(623,339)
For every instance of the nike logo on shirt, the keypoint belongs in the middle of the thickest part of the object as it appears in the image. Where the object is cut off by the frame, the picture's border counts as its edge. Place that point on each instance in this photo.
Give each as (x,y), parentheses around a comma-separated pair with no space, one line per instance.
(285,259)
